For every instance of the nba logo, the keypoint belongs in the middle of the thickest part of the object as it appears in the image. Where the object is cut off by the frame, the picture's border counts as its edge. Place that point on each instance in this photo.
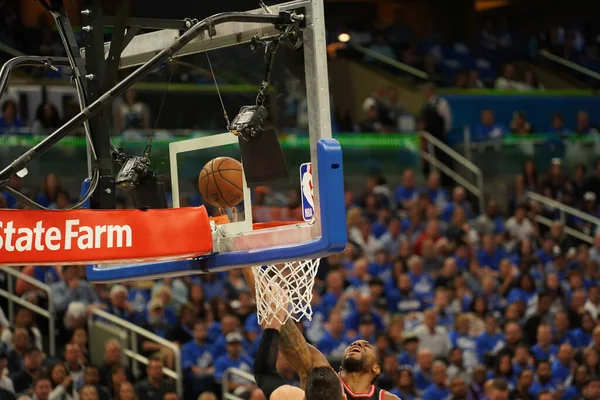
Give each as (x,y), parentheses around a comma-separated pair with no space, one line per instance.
(306,189)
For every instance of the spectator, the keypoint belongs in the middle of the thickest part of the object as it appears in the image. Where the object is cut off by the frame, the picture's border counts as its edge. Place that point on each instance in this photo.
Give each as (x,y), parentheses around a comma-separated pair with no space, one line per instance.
(118,304)
(23,319)
(437,195)
(364,238)
(410,346)
(72,289)
(558,125)
(73,364)
(393,237)
(234,358)
(32,362)
(407,193)
(197,359)
(372,122)
(432,336)
(438,389)
(519,124)
(530,81)
(498,390)
(10,123)
(380,46)
(508,79)
(46,119)
(519,226)
(21,343)
(335,340)
(456,367)
(364,308)
(521,391)
(584,127)
(112,359)
(423,370)
(62,383)
(489,342)
(92,377)
(132,113)
(458,388)
(490,254)
(50,191)
(5,382)
(476,388)
(543,381)
(544,349)
(405,385)
(592,389)
(42,388)
(488,129)
(126,391)
(156,322)
(155,385)
(45,274)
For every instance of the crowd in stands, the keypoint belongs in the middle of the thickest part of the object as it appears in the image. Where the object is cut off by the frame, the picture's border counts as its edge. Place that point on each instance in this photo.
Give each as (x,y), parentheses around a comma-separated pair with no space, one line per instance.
(458,302)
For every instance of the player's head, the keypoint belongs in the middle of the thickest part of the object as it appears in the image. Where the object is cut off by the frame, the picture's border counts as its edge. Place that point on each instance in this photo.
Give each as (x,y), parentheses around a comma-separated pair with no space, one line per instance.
(323,383)
(361,357)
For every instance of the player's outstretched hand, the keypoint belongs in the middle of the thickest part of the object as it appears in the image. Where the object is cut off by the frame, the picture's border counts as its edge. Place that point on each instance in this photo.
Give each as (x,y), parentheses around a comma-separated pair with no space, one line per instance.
(277,302)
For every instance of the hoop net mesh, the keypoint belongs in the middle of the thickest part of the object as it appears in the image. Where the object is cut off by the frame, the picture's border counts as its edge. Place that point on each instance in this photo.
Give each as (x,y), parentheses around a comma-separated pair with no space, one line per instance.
(285,290)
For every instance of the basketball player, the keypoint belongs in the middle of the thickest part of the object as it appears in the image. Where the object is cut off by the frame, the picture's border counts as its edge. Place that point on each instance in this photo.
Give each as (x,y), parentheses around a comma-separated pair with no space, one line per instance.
(359,368)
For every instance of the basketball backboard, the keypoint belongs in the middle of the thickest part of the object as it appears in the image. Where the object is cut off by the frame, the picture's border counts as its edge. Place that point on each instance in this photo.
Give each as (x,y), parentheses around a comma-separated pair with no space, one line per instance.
(244,242)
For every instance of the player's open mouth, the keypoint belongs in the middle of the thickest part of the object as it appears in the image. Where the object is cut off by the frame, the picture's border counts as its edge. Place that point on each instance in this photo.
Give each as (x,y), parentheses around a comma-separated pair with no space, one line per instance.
(355,350)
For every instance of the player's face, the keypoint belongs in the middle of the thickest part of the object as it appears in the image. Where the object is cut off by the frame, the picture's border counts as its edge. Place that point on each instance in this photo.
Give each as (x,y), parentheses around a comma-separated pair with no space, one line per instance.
(363,351)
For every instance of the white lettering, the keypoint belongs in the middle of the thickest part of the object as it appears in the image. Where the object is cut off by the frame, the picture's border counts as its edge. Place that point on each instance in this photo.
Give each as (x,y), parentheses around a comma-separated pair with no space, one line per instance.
(8,232)
(98,233)
(38,232)
(70,234)
(85,240)
(53,238)
(120,233)
(24,243)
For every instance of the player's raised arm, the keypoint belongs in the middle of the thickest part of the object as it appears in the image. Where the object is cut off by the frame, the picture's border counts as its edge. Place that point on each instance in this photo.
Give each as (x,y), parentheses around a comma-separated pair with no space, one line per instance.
(301,356)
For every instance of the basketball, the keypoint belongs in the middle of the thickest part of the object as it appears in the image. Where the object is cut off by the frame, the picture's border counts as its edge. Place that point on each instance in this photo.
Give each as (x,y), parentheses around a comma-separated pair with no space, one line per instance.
(220,182)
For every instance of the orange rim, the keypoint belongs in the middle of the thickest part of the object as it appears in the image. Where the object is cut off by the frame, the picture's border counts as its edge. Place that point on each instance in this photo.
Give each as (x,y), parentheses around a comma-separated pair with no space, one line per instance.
(275,224)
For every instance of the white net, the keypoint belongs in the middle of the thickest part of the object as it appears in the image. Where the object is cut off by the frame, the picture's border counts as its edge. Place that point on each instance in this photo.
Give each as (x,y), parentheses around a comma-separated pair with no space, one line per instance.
(285,290)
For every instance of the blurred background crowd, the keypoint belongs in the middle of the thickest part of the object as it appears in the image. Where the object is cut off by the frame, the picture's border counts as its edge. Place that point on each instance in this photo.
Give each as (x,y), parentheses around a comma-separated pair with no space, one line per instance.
(469,289)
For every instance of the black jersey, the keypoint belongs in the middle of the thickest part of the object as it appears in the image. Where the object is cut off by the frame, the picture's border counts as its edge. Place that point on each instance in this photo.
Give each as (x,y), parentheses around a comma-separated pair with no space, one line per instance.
(374,392)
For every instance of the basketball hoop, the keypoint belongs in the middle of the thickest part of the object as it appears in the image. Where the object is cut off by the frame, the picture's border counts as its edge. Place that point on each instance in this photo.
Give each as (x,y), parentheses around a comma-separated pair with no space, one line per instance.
(295,280)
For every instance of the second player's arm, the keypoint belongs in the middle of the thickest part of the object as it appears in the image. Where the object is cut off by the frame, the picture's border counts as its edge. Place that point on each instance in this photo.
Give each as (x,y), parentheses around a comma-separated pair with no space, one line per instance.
(301,356)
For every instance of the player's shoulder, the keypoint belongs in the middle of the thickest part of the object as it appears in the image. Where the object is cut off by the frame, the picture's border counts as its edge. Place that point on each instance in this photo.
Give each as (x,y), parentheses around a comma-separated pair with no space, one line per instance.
(388,396)
(287,392)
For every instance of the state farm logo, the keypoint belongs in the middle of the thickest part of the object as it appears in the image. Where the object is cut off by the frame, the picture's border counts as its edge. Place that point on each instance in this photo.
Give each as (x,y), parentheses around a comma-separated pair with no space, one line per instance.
(72,235)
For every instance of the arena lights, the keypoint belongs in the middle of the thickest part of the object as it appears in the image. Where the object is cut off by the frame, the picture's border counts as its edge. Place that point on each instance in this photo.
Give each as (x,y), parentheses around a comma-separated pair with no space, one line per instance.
(344,37)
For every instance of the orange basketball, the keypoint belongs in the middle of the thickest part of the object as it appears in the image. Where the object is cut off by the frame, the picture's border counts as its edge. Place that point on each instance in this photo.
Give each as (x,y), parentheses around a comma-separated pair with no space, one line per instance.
(220,182)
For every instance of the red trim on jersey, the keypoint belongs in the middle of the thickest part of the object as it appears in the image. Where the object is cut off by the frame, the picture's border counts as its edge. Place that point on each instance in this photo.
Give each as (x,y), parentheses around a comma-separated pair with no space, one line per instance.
(370,393)
(381,394)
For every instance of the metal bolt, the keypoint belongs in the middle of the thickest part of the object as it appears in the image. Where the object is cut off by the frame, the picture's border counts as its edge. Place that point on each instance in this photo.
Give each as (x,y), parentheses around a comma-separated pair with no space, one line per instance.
(86,12)
(108,191)
(90,77)
(188,24)
(86,28)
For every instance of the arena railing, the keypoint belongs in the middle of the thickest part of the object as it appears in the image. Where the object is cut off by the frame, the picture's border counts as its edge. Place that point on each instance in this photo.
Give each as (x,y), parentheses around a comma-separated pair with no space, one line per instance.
(570,65)
(564,211)
(395,64)
(428,154)
(133,332)
(13,299)
(227,379)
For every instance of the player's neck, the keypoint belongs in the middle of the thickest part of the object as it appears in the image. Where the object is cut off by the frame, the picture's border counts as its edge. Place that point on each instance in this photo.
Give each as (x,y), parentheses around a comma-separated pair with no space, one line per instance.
(358,382)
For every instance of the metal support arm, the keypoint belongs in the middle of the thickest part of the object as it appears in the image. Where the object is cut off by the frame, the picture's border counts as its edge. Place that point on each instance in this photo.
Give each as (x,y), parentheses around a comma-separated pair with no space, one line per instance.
(103,101)
(29,61)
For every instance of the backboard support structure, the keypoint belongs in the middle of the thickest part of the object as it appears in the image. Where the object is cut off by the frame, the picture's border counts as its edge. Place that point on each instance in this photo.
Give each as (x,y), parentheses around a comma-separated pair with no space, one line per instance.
(95,69)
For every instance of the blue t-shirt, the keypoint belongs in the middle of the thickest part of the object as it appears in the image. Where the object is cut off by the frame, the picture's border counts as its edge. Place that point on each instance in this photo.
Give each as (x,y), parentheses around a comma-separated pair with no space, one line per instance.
(537,387)
(196,355)
(486,343)
(422,381)
(405,359)
(468,345)
(491,260)
(353,321)
(404,193)
(220,346)
(422,285)
(560,372)
(402,396)
(11,201)
(224,362)
(483,132)
(12,127)
(544,354)
(518,294)
(333,347)
(433,392)
(403,303)
(46,275)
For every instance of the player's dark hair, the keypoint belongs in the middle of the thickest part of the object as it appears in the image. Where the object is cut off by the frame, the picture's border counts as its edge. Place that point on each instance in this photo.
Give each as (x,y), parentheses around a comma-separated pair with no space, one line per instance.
(323,383)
